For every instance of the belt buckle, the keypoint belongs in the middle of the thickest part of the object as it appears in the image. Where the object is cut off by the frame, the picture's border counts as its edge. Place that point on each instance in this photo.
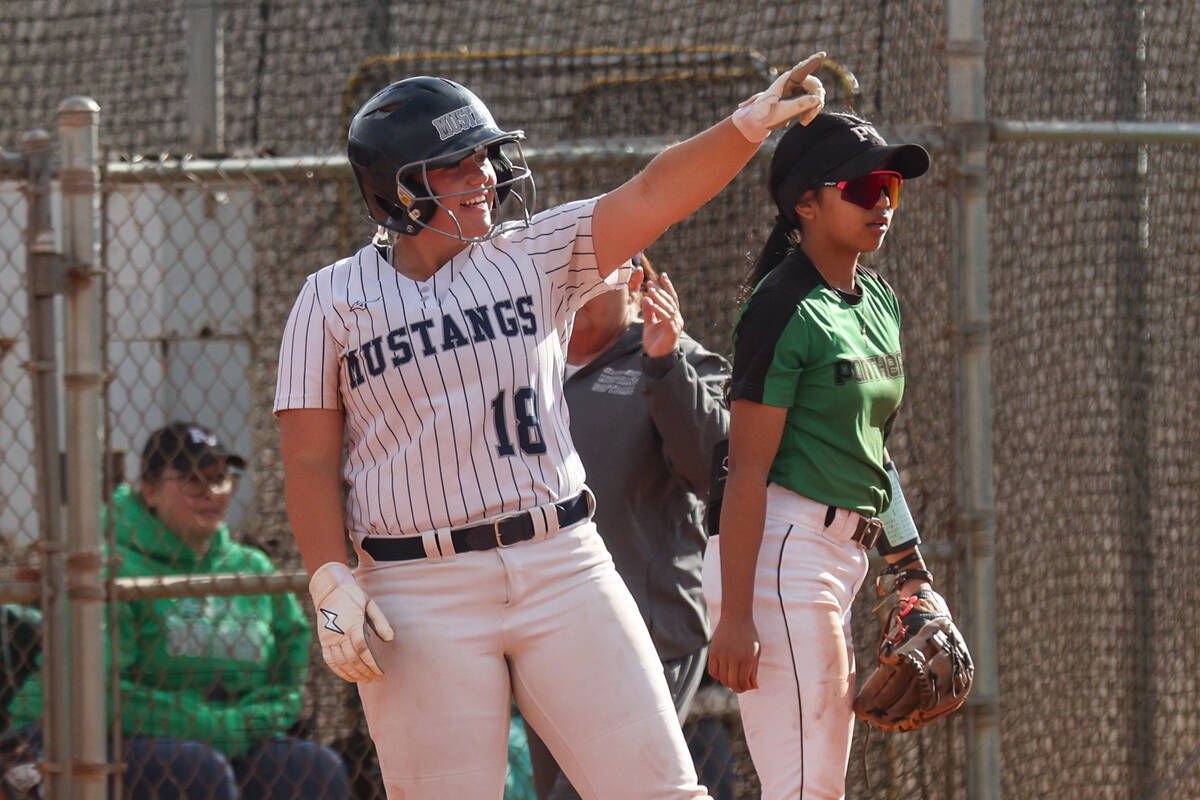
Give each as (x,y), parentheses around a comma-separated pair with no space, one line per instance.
(590,499)
(868,531)
(496,529)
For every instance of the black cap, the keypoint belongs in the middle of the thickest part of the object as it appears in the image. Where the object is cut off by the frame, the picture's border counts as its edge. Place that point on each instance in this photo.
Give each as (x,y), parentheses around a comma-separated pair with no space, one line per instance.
(184,446)
(835,147)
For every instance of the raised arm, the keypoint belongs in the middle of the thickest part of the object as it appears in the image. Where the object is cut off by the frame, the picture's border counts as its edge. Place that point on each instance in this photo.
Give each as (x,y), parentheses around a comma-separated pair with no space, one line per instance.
(687,175)
(684,384)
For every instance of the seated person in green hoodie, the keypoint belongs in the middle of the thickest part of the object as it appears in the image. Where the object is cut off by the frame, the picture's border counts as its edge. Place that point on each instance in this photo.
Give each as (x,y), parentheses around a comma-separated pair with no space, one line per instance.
(209,685)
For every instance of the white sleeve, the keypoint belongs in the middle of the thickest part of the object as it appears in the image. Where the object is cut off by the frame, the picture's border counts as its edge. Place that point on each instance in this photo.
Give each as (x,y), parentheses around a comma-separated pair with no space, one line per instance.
(309,357)
(559,240)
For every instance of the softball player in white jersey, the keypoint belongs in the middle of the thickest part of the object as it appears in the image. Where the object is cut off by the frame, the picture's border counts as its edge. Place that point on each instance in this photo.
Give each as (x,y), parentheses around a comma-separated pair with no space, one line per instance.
(440,359)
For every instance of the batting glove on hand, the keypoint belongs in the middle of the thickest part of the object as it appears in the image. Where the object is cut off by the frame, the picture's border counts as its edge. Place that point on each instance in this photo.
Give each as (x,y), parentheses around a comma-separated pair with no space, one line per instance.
(796,94)
(343,610)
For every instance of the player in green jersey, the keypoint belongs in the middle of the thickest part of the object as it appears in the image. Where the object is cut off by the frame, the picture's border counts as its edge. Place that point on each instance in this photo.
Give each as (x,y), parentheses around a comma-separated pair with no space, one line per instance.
(817,378)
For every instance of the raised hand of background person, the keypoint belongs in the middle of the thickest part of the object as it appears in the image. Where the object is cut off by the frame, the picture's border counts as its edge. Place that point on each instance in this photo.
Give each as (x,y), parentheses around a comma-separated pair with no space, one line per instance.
(662,319)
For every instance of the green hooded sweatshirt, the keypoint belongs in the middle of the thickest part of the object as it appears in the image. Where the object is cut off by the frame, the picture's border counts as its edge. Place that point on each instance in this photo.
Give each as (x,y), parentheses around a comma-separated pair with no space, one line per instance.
(222,670)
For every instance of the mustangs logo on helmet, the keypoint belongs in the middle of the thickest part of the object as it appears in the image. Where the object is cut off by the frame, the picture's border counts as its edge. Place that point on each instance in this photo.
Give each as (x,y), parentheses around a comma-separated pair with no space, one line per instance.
(459,120)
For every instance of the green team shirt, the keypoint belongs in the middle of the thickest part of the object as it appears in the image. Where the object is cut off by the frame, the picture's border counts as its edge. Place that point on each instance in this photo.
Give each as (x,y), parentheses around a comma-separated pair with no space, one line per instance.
(833,360)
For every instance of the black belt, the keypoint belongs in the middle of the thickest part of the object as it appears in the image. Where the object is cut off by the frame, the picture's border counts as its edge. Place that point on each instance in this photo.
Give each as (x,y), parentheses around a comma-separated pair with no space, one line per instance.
(503,532)
(866,533)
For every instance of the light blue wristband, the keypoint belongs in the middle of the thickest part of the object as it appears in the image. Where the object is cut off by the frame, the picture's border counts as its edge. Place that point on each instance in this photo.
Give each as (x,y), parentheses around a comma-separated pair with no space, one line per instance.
(899,529)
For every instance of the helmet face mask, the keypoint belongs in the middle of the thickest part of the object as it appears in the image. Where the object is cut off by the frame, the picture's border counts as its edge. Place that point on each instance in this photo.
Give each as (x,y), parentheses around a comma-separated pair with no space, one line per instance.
(422,203)
(421,124)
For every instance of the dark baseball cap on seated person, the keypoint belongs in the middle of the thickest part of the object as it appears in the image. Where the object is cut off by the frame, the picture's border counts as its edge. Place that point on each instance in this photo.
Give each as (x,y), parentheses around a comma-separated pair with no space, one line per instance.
(835,147)
(186,447)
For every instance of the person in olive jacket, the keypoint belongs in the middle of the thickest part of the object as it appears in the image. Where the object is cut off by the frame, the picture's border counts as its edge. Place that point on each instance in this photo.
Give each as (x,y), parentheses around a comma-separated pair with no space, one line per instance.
(209,685)
(647,409)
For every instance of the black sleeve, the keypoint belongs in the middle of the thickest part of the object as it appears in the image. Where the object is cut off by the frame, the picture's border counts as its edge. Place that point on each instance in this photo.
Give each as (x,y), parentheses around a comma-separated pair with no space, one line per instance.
(758,330)
(684,395)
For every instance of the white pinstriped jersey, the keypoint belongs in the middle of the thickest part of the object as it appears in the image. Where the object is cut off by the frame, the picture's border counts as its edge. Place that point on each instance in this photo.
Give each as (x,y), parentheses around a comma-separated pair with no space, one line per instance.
(451,387)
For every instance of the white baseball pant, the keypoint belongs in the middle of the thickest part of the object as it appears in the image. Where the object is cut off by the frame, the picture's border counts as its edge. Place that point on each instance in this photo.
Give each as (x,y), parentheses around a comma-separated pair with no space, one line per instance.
(799,721)
(548,622)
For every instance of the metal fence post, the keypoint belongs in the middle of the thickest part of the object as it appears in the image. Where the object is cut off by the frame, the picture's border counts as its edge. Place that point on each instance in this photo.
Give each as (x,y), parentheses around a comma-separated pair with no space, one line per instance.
(974,494)
(83,381)
(205,77)
(45,271)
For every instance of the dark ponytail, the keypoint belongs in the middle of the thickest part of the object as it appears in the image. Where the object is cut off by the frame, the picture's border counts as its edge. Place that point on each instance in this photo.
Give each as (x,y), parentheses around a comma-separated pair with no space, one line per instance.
(778,245)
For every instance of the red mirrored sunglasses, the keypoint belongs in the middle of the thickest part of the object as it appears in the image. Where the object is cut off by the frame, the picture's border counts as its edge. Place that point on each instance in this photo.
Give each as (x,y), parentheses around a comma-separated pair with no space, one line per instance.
(865,191)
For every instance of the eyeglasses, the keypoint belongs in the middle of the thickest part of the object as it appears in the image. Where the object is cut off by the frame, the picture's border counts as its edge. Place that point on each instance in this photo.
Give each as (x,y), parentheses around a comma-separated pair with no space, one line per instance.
(865,191)
(196,486)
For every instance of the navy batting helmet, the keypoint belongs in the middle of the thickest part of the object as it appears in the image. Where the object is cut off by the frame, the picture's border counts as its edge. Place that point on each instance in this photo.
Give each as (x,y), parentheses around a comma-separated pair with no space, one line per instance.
(424,123)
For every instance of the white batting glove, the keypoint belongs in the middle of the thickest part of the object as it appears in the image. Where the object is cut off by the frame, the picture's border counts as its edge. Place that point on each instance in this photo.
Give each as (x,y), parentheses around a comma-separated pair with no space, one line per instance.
(796,94)
(343,611)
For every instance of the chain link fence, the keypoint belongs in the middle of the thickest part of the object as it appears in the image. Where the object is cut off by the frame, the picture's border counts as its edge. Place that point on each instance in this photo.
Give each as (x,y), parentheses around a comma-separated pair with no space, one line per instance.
(20,621)
(1093,276)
